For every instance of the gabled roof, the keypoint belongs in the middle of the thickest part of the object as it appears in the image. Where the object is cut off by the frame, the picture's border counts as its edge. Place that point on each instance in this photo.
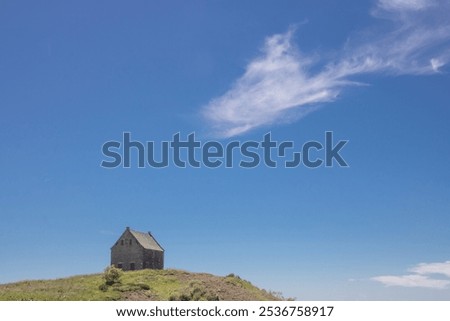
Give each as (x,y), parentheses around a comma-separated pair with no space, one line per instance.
(146,240)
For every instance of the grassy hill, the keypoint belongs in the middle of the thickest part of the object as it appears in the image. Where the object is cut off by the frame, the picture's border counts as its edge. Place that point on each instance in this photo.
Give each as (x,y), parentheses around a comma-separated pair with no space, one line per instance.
(138,285)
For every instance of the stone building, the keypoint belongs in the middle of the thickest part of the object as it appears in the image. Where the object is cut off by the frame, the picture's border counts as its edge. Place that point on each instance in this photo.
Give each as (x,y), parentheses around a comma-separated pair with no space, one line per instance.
(136,251)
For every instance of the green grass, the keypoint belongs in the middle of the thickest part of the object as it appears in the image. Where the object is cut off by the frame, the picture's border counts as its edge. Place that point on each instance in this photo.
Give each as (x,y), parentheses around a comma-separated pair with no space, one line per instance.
(161,285)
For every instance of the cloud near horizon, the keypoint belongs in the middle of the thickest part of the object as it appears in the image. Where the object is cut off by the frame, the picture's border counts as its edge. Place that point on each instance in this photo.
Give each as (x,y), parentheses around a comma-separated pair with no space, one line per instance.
(420,276)
(283,84)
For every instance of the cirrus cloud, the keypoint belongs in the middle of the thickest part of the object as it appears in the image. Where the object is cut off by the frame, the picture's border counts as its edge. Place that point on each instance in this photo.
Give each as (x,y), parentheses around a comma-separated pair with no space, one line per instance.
(283,84)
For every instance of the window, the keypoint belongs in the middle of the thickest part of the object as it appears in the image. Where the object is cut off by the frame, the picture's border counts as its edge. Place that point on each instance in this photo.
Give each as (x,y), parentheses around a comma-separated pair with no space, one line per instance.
(121,242)
(131,241)
(132,267)
(119,265)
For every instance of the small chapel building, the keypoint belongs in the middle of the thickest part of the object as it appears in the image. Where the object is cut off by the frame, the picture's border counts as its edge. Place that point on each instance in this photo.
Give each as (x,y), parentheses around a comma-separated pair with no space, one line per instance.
(136,251)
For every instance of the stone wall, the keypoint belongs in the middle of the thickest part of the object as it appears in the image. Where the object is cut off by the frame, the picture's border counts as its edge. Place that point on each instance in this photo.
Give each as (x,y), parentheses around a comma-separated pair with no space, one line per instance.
(127,252)
(153,259)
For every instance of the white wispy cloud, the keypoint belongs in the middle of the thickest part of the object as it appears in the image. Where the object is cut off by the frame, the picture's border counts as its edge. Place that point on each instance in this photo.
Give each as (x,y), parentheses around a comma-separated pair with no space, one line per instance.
(405,4)
(423,275)
(284,84)
(432,268)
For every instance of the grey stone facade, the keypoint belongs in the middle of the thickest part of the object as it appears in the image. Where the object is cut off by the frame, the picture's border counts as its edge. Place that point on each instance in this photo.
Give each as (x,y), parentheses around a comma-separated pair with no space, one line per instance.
(136,251)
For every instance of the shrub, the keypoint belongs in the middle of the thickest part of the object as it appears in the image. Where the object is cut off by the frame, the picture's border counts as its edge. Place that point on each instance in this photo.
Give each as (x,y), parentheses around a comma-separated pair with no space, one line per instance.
(103,287)
(112,275)
(233,276)
(184,297)
(195,292)
(144,286)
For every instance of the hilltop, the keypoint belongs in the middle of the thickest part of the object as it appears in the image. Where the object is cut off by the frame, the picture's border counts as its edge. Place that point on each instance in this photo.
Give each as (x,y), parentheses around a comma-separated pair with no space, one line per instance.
(150,285)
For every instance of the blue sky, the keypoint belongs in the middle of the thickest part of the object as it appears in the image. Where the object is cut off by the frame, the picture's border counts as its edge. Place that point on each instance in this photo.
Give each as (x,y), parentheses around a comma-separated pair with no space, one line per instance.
(75,75)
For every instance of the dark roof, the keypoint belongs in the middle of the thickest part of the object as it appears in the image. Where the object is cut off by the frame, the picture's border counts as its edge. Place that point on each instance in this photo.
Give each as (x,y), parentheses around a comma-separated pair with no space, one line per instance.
(146,240)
